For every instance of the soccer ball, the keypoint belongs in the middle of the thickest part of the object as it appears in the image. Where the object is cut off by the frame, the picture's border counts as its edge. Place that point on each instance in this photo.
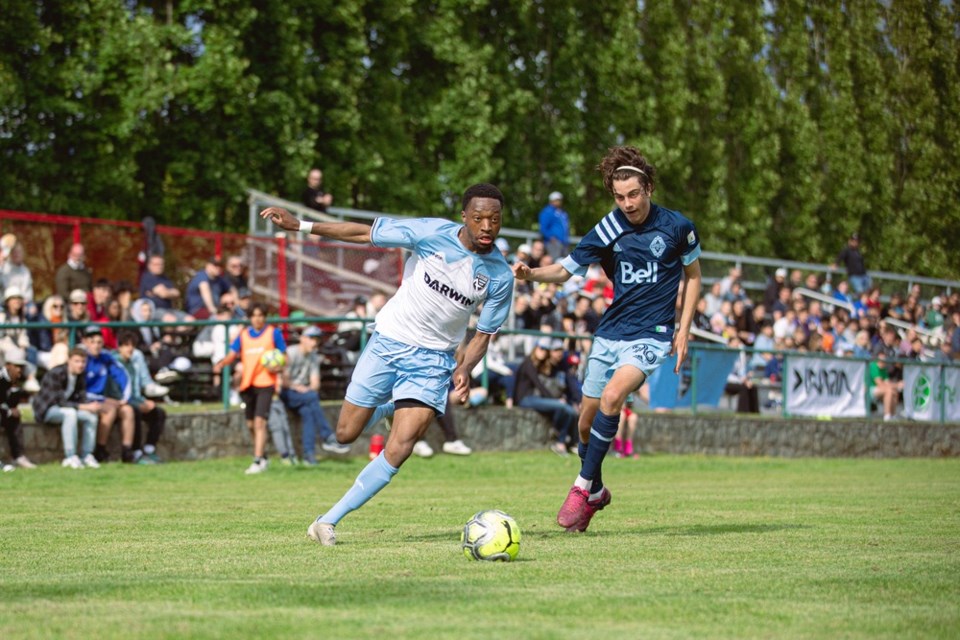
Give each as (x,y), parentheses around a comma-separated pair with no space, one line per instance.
(491,535)
(273,359)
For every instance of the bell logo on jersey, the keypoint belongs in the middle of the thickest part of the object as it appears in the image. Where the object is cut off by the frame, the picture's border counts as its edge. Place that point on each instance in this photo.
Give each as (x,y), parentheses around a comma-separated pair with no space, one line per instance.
(630,276)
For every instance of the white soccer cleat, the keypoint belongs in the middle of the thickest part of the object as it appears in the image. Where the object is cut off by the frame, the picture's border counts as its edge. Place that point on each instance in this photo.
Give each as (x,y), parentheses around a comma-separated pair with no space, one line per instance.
(7,468)
(422,449)
(73,462)
(257,467)
(24,463)
(457,448)
(323,533)
(90,462)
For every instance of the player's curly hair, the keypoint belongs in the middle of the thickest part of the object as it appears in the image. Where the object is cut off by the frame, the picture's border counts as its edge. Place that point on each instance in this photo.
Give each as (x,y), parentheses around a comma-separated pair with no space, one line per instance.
(617,157)
(481,190)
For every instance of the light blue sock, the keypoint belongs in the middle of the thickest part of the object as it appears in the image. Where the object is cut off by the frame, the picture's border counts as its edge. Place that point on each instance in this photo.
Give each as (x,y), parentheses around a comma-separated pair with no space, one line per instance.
(381,412)
(375,476)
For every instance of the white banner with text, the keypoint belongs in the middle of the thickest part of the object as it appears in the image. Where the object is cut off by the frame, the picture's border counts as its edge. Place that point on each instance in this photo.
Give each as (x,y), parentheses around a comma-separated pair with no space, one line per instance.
(826,387)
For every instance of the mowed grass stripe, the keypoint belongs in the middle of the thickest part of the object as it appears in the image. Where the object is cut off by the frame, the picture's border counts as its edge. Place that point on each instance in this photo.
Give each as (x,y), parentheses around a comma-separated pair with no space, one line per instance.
(690,546)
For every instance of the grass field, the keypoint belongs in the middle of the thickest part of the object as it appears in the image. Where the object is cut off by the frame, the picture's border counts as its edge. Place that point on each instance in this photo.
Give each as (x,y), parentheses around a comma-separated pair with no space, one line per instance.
(690,547)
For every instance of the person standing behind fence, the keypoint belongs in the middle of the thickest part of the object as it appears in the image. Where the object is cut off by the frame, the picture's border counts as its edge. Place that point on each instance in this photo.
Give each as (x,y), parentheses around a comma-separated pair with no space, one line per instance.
(313,195)
(555,226)
(258,382)
(74,274)
(649,253)
(851,258)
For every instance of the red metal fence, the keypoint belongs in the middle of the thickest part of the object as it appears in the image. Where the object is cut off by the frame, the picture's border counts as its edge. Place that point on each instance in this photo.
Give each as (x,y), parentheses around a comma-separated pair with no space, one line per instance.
(321,277)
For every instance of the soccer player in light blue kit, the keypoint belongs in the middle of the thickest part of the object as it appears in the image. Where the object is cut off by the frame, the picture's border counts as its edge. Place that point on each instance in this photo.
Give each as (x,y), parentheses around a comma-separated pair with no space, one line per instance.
(413,352)
(647,251)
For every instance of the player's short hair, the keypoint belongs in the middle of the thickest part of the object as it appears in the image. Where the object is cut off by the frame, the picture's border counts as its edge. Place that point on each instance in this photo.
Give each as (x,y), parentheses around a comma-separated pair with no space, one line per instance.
(482,190)
(623,163)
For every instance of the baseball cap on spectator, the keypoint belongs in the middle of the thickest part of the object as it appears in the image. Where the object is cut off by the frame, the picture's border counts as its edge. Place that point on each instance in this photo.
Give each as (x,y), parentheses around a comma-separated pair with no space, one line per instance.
(524,248)
(854,236)
(544,343)
(555,195)
(12,291)
(936,301)
(312,332)
(15,355)
(215,260)
(359,300)
(296,315)
(556,344)
(243,292)
(92,330)
(781,273)
(502,244)
(78,295)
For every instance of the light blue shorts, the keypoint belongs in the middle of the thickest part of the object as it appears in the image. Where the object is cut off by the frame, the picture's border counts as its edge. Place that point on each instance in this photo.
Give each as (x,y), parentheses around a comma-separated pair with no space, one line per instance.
(390,370)
(606,356)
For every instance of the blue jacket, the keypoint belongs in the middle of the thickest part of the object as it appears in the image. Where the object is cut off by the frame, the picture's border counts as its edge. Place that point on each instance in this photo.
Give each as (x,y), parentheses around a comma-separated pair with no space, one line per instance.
(554,223)
(101,369)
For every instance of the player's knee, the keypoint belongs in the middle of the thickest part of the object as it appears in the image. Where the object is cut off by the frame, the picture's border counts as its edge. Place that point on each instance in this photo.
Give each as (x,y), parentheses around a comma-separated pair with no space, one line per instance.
(346,433)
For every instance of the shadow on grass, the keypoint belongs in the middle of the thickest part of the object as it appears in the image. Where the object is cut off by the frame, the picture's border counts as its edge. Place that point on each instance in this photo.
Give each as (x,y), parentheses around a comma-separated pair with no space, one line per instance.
(691,530)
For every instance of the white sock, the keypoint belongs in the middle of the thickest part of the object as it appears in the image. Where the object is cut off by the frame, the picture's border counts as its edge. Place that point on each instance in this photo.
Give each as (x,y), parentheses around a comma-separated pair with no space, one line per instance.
(582,483)
(596,496)
(149,448)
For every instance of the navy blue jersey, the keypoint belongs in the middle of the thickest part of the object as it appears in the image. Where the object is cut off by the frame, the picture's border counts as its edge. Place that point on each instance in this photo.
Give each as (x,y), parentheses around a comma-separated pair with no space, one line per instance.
(645,264)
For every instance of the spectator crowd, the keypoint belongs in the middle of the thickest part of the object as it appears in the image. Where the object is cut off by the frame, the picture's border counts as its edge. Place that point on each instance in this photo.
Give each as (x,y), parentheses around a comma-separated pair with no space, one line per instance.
(88,382)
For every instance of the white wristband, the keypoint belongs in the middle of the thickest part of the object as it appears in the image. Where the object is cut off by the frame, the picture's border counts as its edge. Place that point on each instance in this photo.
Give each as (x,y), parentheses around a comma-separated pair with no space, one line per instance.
(306,226)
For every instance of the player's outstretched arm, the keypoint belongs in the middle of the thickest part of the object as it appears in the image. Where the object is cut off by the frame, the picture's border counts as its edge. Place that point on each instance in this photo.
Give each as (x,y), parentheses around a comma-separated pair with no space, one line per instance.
(552,273)
(344,231)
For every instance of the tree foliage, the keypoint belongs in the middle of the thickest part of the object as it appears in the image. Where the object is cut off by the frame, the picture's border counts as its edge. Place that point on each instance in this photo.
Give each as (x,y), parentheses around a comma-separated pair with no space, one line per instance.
(779,127)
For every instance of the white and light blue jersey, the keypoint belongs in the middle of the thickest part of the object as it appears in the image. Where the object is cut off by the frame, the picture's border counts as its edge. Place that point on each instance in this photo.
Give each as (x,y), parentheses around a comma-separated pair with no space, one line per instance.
(442,286)
(645,264)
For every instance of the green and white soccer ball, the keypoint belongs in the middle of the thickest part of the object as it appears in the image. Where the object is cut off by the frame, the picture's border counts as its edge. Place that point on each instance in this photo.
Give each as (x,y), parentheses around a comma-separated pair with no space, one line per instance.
(273,359)
(491,535)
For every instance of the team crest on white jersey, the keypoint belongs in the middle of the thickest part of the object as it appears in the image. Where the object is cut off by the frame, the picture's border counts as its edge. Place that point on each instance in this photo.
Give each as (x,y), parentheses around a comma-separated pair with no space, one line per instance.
(480,282)
(658,246)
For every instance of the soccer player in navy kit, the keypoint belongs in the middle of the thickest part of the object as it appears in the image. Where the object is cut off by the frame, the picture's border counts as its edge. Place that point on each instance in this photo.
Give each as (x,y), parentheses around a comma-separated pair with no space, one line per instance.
(648,252)
(413,354)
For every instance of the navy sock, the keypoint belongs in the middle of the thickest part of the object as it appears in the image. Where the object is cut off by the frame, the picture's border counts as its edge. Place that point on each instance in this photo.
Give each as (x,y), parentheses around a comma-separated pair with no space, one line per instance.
(597,477)
(602,432)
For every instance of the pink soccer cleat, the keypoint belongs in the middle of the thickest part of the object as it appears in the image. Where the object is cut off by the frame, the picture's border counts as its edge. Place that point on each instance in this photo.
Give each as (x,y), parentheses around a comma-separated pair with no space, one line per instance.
(589,509)
(572,510)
